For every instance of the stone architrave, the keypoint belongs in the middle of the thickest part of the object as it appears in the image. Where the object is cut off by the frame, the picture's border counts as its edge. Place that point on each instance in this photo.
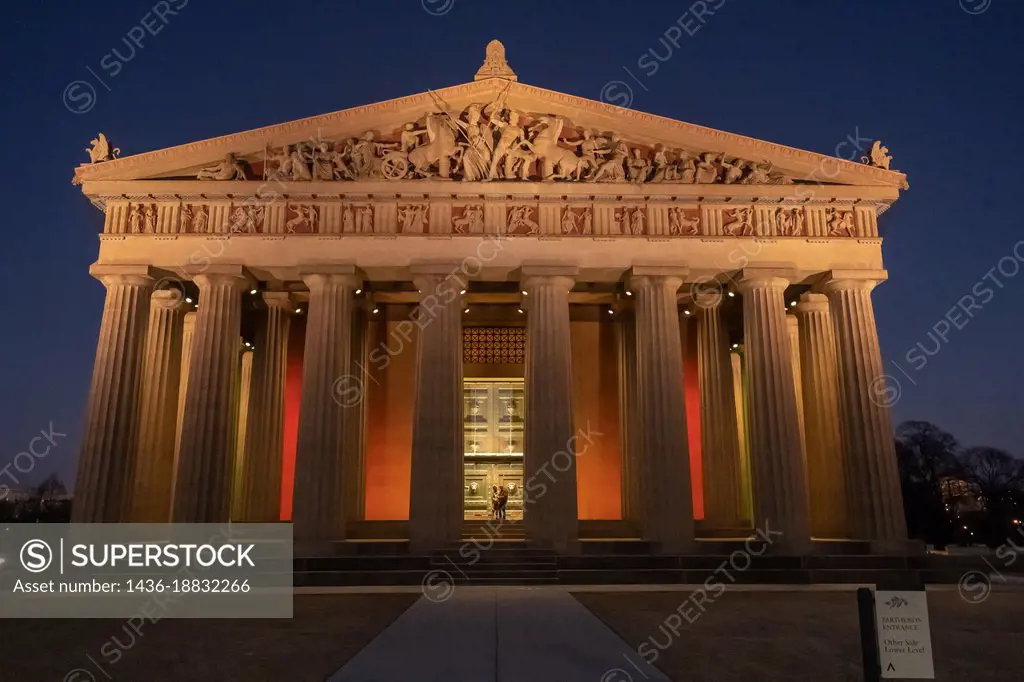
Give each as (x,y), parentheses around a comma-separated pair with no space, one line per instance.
(106,463)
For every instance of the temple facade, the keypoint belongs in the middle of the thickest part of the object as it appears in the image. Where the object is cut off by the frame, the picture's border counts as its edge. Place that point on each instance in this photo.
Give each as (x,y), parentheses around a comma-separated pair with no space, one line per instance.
(369,322)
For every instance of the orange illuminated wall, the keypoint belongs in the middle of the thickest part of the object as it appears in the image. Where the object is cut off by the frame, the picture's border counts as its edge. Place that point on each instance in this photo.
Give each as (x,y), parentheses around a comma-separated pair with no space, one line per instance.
(691,388)
(292,400)
(390,395)
(596,411)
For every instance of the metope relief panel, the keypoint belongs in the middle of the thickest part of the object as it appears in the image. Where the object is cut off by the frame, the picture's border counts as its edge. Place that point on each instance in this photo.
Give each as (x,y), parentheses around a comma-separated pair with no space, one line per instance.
(357,218)
(522,220)
(302,219)
(413,218)
(577,220)
(142,219)
(632,220)
(738,221)
(467,219)
(790,221)
(248,218)
(684,221)
(840,223)
(194,219)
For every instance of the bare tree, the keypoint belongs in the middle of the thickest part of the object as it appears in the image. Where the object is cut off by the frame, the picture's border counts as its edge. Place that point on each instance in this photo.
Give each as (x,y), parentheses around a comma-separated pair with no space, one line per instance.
(998,476)
(926,455)
(50,486)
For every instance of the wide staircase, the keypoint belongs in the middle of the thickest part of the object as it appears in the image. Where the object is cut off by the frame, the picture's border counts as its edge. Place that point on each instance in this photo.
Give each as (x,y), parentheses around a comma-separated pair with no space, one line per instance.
(495,553)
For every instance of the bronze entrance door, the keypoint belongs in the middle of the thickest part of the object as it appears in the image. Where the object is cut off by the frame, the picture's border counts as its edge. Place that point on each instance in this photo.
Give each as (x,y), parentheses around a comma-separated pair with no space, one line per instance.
(493,445)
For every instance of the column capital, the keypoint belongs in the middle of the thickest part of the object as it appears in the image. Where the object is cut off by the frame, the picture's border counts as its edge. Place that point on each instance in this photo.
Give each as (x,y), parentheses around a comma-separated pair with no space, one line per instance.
(540,274)
(765,278)
(645,276)
(811,303)
(140,275)
(345,274)
(319,279)
(166,299)
(280,300)
(707,301)
(847,280)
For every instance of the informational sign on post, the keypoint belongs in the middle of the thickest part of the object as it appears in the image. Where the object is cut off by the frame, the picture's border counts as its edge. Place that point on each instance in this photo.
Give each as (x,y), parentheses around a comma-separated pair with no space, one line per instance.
(904,636)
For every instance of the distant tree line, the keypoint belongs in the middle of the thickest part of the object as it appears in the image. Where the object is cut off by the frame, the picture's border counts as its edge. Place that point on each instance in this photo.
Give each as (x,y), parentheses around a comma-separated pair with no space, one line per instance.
(954,494)
(46,503)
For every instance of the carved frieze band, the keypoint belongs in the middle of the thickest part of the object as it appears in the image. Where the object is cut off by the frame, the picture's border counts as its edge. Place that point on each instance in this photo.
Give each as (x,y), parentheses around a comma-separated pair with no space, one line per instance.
(595,217)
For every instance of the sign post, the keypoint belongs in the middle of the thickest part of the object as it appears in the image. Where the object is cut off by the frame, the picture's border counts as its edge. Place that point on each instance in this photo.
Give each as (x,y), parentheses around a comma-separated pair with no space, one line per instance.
(896,640)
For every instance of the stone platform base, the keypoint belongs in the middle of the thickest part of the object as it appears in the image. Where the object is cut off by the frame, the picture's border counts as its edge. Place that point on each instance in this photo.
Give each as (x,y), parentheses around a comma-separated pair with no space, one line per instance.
(612,562)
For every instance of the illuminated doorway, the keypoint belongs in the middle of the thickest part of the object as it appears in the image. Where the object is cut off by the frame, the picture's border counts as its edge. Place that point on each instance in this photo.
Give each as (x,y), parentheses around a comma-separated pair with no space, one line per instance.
(492,445)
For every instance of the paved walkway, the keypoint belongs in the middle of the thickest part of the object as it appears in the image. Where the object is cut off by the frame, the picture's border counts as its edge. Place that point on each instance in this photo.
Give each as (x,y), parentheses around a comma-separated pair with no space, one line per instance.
(498,635)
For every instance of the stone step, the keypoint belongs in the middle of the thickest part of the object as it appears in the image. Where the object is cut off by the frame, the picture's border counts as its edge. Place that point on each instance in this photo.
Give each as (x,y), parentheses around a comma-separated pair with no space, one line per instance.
(485,559)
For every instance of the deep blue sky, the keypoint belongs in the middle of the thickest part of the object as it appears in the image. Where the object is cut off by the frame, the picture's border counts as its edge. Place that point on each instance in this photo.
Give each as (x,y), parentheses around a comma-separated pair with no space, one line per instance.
(942,87)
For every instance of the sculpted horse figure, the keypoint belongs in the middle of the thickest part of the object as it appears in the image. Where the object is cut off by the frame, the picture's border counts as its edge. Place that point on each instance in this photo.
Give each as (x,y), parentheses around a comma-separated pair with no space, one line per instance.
(439,149)
(557,163)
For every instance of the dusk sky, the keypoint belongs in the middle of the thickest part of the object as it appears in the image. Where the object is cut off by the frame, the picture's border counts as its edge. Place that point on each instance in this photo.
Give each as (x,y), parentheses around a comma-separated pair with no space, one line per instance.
(938,81)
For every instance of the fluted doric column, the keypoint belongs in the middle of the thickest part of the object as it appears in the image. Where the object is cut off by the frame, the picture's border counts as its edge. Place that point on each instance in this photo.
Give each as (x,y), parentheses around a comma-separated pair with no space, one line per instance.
(736,365)
(243,396)
(318,509)
(794,355)
(106,462)
(667,497)
(264,435)
(779,482)
(872,479)
(720,453)
(206,457)
(629,428)
(825,463)
(435,500)
(551,514)
(161,370)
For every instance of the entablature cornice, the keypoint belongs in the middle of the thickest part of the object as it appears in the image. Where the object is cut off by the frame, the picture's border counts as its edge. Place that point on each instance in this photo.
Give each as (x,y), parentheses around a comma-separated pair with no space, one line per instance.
(254,191)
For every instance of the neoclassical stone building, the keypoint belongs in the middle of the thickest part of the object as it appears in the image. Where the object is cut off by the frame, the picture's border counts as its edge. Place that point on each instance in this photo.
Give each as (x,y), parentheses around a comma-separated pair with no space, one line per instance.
(367,321)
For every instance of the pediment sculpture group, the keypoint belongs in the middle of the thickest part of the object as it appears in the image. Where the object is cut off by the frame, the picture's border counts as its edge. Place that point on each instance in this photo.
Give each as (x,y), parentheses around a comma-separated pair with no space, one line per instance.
(493,142)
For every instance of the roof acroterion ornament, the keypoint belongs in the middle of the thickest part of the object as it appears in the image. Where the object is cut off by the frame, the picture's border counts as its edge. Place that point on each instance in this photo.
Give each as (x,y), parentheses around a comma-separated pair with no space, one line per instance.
(495,65)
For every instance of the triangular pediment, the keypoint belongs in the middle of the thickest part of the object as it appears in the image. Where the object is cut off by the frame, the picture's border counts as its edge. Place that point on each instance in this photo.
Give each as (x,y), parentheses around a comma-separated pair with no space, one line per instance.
(627,146)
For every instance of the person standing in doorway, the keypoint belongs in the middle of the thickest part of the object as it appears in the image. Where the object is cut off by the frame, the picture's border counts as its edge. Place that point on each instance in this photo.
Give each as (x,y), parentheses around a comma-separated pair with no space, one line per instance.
(495,509)
(502,502)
